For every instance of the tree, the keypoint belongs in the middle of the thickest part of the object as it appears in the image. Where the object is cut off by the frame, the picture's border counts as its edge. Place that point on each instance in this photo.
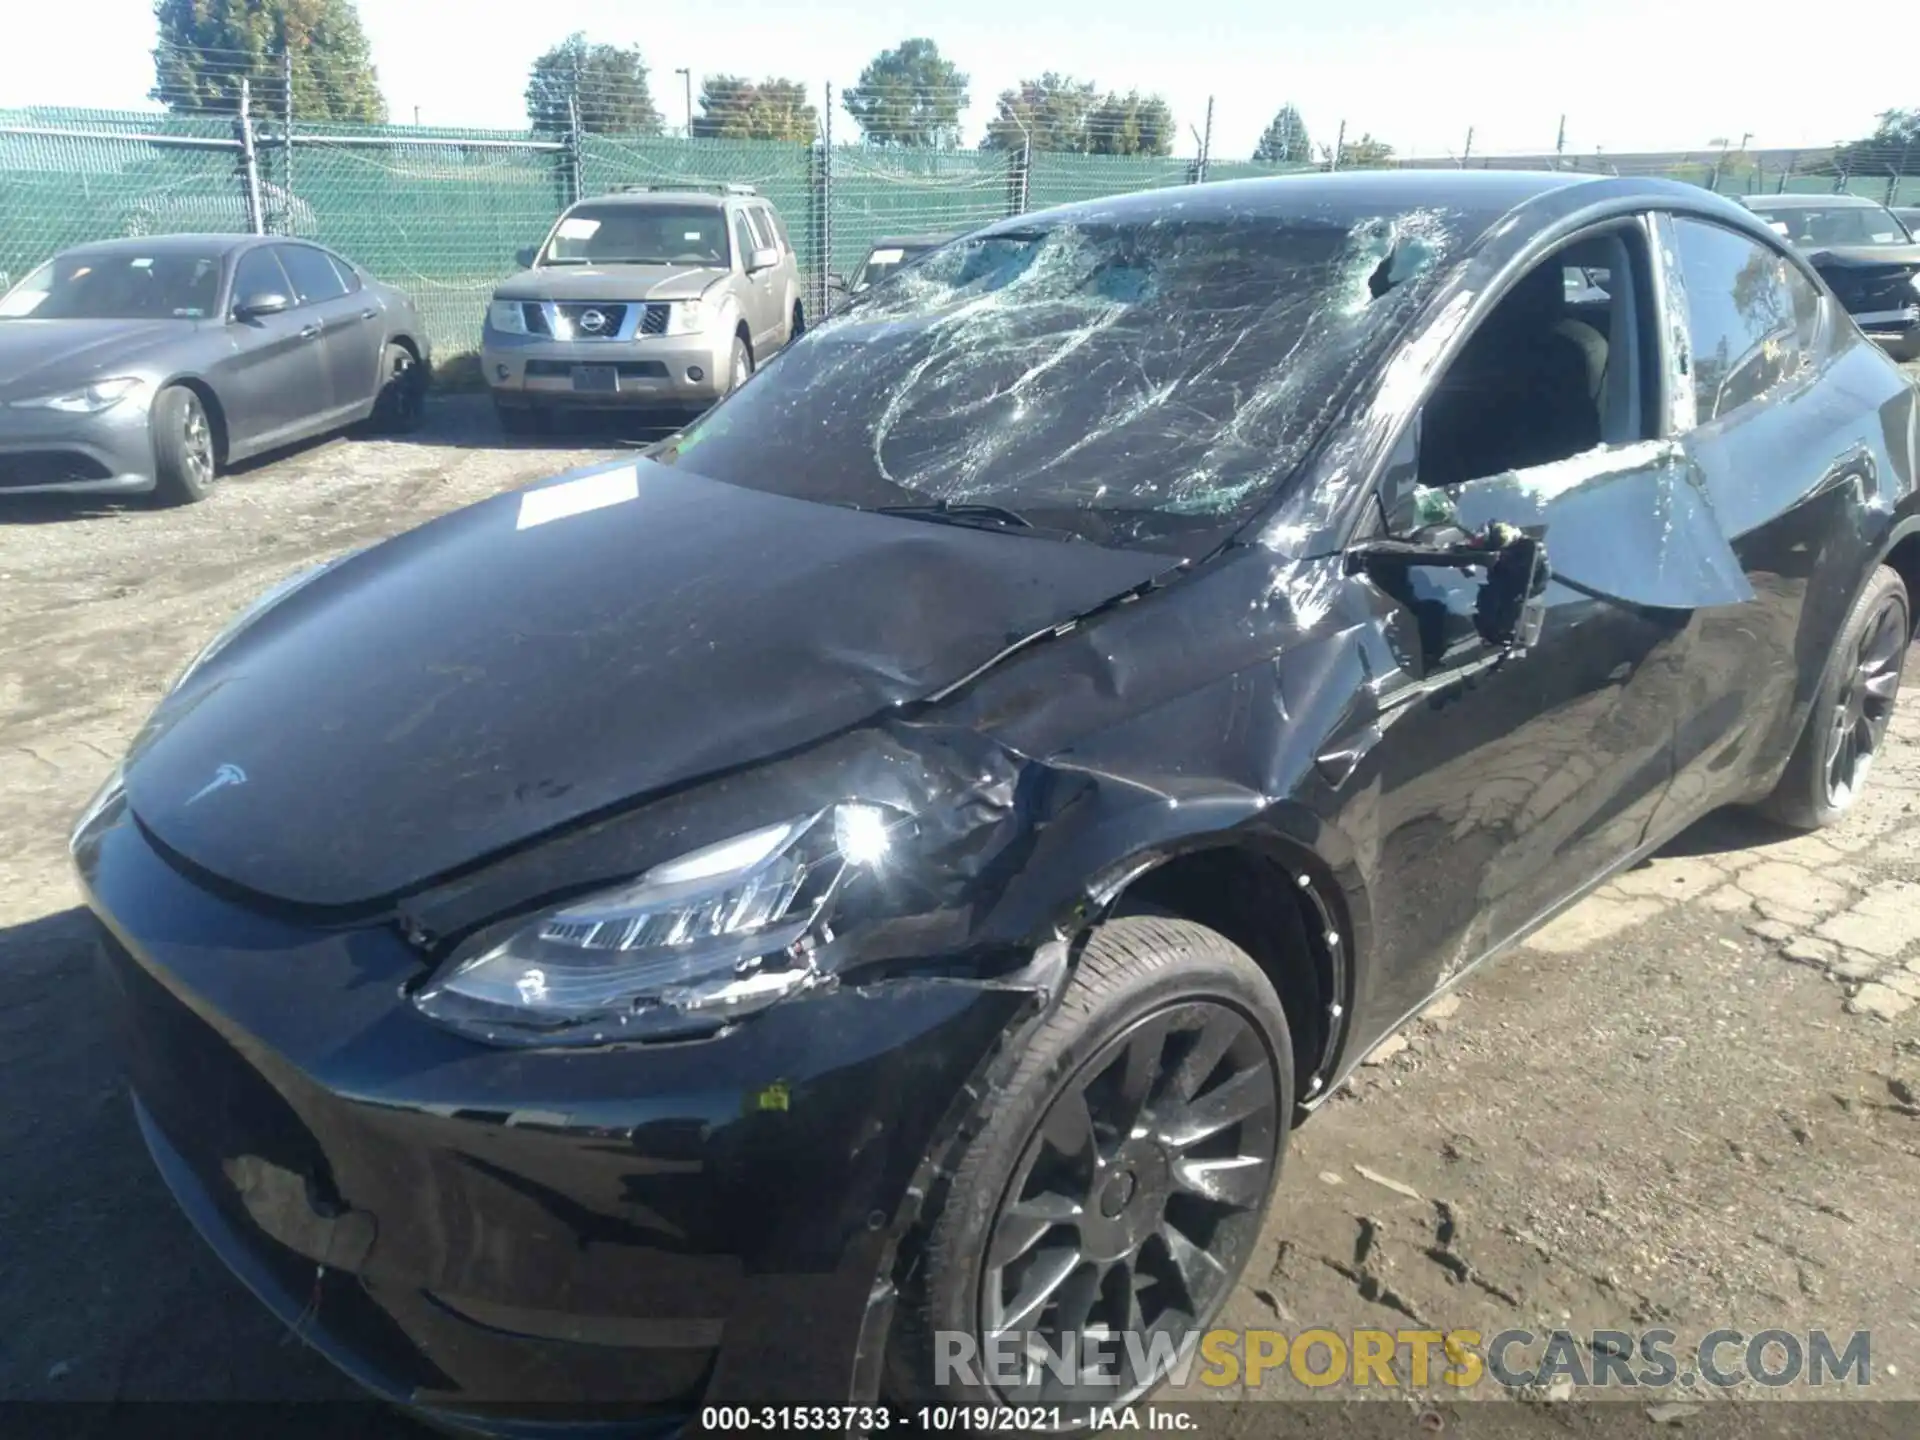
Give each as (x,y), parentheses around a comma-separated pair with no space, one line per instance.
(1284,141)
(734,108)
(206,46)
(1892,149)
(610,84)
(1130,124)
(1366,153)
(910,95)
(1049,113)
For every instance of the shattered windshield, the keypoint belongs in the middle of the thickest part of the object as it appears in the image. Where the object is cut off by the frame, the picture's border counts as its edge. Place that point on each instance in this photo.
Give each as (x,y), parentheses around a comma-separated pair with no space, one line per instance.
(1131,383)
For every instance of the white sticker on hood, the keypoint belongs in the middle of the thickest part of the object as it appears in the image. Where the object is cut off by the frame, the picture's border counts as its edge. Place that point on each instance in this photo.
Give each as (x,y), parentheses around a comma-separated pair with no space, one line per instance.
(576,497)
(885,257)
(577,229)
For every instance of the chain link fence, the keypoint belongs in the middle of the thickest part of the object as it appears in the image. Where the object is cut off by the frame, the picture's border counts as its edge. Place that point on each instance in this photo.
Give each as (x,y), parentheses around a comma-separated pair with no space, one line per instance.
(442,212)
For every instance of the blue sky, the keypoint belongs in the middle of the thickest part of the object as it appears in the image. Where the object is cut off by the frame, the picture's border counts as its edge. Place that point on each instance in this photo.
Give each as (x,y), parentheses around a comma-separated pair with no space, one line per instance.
(1628,74)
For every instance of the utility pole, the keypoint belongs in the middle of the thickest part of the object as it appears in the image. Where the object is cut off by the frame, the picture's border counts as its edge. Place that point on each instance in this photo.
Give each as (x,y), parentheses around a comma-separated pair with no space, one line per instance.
(1339,144)
(1560,145)
(1467,153)
(686,76)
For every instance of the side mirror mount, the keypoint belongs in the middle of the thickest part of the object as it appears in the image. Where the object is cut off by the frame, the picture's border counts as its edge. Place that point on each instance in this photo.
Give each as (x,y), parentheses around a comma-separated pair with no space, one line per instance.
(260,304)
(765,258)
(525,256)
(1509,612)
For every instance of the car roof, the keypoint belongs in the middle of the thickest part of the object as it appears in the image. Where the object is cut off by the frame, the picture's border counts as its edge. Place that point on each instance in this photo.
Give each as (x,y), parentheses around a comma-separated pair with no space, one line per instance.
(642,198)
(1478,198)
(1810,202)
(217,243)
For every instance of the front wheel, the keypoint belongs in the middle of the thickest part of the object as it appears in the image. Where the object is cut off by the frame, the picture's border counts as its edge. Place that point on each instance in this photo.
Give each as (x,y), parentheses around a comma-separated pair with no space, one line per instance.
(741,365)
(1847,724)
(402,402)
(1117,1185)
(184,456)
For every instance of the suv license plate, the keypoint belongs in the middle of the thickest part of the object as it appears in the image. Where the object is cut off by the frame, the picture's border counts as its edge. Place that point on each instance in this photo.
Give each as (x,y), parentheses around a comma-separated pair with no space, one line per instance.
(602,379)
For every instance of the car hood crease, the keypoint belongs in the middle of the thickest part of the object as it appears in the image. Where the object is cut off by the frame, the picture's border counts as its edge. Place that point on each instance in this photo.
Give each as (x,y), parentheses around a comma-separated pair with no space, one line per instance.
(462,688)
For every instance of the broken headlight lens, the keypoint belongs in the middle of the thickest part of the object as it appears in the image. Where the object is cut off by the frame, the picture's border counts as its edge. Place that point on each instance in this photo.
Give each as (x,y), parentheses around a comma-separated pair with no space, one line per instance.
(687,947)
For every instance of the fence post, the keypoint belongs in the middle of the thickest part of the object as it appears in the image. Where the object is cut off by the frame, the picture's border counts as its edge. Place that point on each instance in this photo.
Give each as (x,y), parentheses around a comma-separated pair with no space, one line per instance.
(1206,146)
(1339,144)
(575,187)
(249,161)
(286,137)
(822,187)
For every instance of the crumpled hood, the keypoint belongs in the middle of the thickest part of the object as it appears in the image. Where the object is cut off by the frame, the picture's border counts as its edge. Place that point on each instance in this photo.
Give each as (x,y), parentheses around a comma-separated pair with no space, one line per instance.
(526,662)
(610,282)
(39,357)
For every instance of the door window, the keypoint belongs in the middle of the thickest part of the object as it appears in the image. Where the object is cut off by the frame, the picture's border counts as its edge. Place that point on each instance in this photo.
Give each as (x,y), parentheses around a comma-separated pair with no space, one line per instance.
(259,274)
(349,277)
(763,235)
(1751,315)
(314,278)
(743,238)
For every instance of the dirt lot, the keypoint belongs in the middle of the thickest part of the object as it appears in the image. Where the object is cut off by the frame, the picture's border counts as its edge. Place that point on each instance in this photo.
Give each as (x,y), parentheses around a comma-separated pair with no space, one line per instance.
(1693,1102)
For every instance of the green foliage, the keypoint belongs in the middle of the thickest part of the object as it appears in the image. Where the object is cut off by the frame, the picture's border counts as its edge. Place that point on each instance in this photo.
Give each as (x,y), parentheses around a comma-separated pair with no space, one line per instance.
(610,84)
(735,108)
(207,45)
(1366,153)
(1058,114)
(1892,149)
(1284,141)
(910,95)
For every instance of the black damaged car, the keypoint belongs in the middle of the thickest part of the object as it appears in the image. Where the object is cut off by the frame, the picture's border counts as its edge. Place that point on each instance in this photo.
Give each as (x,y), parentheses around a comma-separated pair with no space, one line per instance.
(1864,251)
(852,901)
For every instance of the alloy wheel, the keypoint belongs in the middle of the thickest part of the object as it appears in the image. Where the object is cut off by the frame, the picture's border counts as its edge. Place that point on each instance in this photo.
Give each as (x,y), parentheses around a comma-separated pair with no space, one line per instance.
(1857,726)
(196,453)
(1134,1206)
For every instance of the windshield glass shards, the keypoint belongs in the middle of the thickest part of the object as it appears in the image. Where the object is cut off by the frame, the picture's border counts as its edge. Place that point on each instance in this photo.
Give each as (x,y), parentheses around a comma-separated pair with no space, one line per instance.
(1134,383)
(627,234)
(168,285)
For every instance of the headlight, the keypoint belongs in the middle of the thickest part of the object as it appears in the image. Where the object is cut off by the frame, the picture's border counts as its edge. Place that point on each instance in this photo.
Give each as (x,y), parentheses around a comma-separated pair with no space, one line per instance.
(507,317)
(687,317)
(687,947)
(88,400)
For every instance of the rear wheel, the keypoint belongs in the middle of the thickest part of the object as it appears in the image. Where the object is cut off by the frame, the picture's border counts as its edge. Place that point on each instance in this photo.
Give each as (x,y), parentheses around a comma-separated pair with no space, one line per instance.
(403,392)
(184,455)
(1116,1184)
(1847,726)
(798,325)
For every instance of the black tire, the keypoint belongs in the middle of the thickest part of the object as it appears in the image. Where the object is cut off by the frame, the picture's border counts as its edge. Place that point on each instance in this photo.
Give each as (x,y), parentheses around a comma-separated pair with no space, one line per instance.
(1163,989)
(798,325)
(1847,724)
(185,456)
(402,401)
(740,364)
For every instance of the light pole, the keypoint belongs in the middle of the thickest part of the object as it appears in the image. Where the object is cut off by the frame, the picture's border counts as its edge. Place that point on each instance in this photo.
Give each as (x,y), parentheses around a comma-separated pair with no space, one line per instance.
(686,76)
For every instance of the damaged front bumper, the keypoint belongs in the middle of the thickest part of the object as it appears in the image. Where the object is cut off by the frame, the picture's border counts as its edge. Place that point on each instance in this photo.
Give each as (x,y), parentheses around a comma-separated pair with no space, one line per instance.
(622,1233)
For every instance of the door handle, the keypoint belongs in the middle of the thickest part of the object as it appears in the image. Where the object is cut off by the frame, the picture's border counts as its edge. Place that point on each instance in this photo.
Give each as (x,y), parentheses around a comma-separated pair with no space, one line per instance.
(307,332)
(369,314)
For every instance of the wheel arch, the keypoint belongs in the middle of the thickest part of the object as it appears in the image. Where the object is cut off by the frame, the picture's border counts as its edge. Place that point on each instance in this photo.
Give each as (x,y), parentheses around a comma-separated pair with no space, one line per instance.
(1902,555)
(210,402)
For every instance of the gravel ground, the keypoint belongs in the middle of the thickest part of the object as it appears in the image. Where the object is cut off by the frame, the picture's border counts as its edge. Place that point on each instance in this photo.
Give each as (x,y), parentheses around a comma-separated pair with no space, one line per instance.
(1692,1102)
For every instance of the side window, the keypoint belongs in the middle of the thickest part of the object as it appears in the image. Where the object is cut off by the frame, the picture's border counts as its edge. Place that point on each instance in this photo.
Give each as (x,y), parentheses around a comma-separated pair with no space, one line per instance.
(349,277)
(260,274)
(763,232)
(314,278)
(780,229)
(742,237)
(1745,325)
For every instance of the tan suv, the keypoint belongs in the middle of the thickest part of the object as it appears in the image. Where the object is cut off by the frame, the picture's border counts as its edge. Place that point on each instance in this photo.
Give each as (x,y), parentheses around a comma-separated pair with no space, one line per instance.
(647,298)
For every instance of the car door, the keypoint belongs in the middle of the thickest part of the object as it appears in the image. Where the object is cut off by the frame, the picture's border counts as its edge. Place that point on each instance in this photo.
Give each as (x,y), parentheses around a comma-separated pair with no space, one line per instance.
(1499,782)
(275,366)
(1749,346)
(763,300)
(351,335)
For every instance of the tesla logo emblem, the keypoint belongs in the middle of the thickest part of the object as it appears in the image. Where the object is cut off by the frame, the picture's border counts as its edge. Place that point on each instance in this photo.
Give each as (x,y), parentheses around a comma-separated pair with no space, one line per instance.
(226,775)
(593,322)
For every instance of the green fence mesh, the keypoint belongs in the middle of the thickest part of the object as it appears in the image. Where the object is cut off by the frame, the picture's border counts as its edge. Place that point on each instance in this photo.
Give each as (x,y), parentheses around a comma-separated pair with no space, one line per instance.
(442,212)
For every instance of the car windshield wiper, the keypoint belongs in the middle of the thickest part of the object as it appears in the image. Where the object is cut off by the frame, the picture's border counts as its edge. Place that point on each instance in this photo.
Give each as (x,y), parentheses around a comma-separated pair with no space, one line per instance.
(947,512)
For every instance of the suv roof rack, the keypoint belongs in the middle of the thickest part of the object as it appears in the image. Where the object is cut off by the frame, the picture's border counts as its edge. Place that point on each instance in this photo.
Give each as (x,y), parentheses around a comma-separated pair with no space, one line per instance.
(724,187)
